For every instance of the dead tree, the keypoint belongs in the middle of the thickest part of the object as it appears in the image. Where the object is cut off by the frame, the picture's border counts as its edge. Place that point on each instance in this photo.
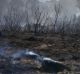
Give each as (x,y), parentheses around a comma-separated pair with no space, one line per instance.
(39,16)
(27,26)
(12,20)
(57,9)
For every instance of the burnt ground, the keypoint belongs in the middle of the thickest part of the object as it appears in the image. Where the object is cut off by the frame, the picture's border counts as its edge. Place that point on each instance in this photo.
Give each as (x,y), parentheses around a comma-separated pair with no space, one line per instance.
(66,50)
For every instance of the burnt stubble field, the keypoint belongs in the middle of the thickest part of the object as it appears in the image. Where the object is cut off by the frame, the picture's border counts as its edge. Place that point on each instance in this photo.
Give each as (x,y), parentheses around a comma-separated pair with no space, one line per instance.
(49,46)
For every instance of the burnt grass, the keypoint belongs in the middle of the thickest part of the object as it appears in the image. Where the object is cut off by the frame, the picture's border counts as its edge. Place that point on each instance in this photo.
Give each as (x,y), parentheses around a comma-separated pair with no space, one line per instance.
(65,49)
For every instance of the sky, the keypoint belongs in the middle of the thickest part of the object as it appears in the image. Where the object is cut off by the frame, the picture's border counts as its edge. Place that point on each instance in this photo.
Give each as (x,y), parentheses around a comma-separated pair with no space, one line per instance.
(69,6)
(43,0)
